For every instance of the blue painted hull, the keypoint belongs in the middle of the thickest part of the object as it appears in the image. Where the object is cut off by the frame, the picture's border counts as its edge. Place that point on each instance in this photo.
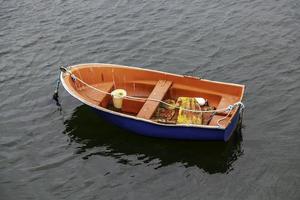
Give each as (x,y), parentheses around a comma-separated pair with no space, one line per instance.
(171,132)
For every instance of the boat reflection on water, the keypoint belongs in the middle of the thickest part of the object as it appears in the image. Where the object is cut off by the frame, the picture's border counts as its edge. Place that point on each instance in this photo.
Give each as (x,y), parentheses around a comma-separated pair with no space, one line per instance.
(96,137)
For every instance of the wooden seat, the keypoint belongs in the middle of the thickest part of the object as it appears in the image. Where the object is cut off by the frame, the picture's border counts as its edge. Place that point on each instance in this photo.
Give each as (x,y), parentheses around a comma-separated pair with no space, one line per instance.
(158,93)
(97,97)
(224,102)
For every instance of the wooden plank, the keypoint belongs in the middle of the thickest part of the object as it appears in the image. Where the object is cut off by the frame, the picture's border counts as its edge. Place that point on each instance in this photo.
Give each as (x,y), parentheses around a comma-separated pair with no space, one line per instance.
(158,93)
(224,103)
(99,98)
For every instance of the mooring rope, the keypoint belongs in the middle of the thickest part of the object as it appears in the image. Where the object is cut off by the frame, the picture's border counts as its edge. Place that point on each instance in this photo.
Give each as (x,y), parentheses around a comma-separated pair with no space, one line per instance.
(228,110)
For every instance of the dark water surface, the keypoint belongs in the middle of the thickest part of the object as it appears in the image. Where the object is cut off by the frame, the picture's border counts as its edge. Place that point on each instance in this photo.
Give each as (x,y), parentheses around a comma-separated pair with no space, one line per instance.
(46,153)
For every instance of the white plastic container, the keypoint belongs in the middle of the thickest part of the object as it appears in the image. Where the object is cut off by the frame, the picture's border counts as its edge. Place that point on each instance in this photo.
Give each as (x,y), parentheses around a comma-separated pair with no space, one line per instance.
(118,96)
(201,101)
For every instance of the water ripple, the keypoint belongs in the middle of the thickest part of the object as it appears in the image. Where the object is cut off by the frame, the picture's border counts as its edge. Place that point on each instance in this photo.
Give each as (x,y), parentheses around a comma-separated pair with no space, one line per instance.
(68,153)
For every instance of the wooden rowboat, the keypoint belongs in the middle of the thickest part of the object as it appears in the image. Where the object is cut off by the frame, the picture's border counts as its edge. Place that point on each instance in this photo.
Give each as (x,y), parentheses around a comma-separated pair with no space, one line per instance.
(147,109)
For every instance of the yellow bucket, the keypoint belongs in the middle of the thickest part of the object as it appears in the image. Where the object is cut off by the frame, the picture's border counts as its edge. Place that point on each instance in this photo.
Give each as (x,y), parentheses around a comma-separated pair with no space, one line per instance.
(118,96)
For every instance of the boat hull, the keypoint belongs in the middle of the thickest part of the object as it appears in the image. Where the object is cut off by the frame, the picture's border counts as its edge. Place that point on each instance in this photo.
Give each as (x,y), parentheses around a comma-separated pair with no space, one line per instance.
(170,132)
(92,84)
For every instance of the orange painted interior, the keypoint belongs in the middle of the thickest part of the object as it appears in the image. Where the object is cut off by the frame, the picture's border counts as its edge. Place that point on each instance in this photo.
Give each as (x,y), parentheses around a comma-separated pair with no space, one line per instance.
(141,83)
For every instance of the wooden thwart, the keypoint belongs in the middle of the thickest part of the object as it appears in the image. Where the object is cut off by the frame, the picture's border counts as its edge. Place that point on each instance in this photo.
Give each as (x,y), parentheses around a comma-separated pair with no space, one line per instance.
(158,93)
(99,98)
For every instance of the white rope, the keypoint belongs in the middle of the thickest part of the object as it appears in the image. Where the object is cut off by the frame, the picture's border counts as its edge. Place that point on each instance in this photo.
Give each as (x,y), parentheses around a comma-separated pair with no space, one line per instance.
(238,104)
(223,118)
(228,109)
